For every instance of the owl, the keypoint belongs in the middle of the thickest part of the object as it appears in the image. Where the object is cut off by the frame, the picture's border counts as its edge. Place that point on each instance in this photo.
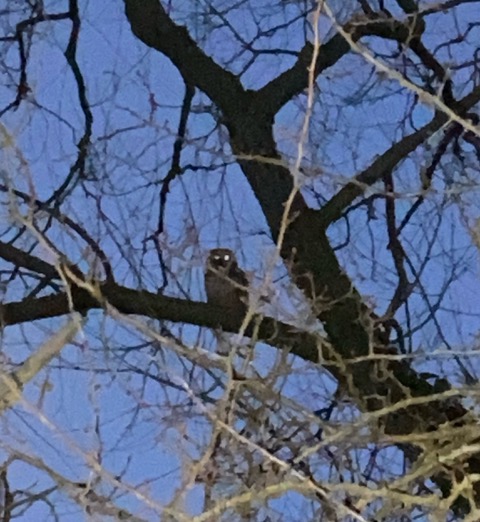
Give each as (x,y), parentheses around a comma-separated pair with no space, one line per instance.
(225,283)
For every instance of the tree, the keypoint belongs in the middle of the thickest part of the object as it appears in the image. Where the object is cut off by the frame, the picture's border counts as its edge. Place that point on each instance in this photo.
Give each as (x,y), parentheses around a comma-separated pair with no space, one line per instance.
(334,146)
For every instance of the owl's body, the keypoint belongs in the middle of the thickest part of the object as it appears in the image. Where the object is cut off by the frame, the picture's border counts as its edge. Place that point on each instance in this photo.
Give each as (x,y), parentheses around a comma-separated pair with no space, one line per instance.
(225,283)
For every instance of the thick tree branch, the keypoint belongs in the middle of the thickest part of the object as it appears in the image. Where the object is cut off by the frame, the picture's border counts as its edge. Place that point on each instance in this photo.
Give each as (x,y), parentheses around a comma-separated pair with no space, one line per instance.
(334,208)
(294,81)
(21,259)
(152,25)
(139,302)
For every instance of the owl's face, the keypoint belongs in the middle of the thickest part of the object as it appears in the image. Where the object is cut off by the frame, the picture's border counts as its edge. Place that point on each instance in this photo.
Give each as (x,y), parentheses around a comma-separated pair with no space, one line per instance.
(221,259)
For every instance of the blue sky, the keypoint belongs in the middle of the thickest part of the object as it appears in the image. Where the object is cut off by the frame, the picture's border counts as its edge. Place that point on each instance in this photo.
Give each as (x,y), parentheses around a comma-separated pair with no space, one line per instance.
(98,399)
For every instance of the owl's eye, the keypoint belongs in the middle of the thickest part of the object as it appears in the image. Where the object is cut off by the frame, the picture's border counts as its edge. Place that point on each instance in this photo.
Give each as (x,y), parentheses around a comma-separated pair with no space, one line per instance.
(226,257)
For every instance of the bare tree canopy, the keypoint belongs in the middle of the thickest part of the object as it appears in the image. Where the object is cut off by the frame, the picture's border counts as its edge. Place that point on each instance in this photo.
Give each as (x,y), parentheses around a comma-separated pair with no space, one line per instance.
(239,260)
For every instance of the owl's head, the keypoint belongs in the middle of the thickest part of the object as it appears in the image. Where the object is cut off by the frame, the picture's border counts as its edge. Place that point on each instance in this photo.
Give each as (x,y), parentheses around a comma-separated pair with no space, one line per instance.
(221,259)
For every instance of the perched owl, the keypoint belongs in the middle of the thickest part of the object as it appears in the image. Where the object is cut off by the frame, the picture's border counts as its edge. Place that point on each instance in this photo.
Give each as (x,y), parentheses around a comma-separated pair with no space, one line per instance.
(225,283)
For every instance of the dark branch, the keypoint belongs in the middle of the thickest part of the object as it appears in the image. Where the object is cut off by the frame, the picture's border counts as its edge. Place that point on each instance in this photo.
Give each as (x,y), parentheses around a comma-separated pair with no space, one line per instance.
(333,210)
(152,25)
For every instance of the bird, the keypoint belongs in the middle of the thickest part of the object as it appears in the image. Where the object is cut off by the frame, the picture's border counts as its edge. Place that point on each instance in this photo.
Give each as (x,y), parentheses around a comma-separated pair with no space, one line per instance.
(226,284)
